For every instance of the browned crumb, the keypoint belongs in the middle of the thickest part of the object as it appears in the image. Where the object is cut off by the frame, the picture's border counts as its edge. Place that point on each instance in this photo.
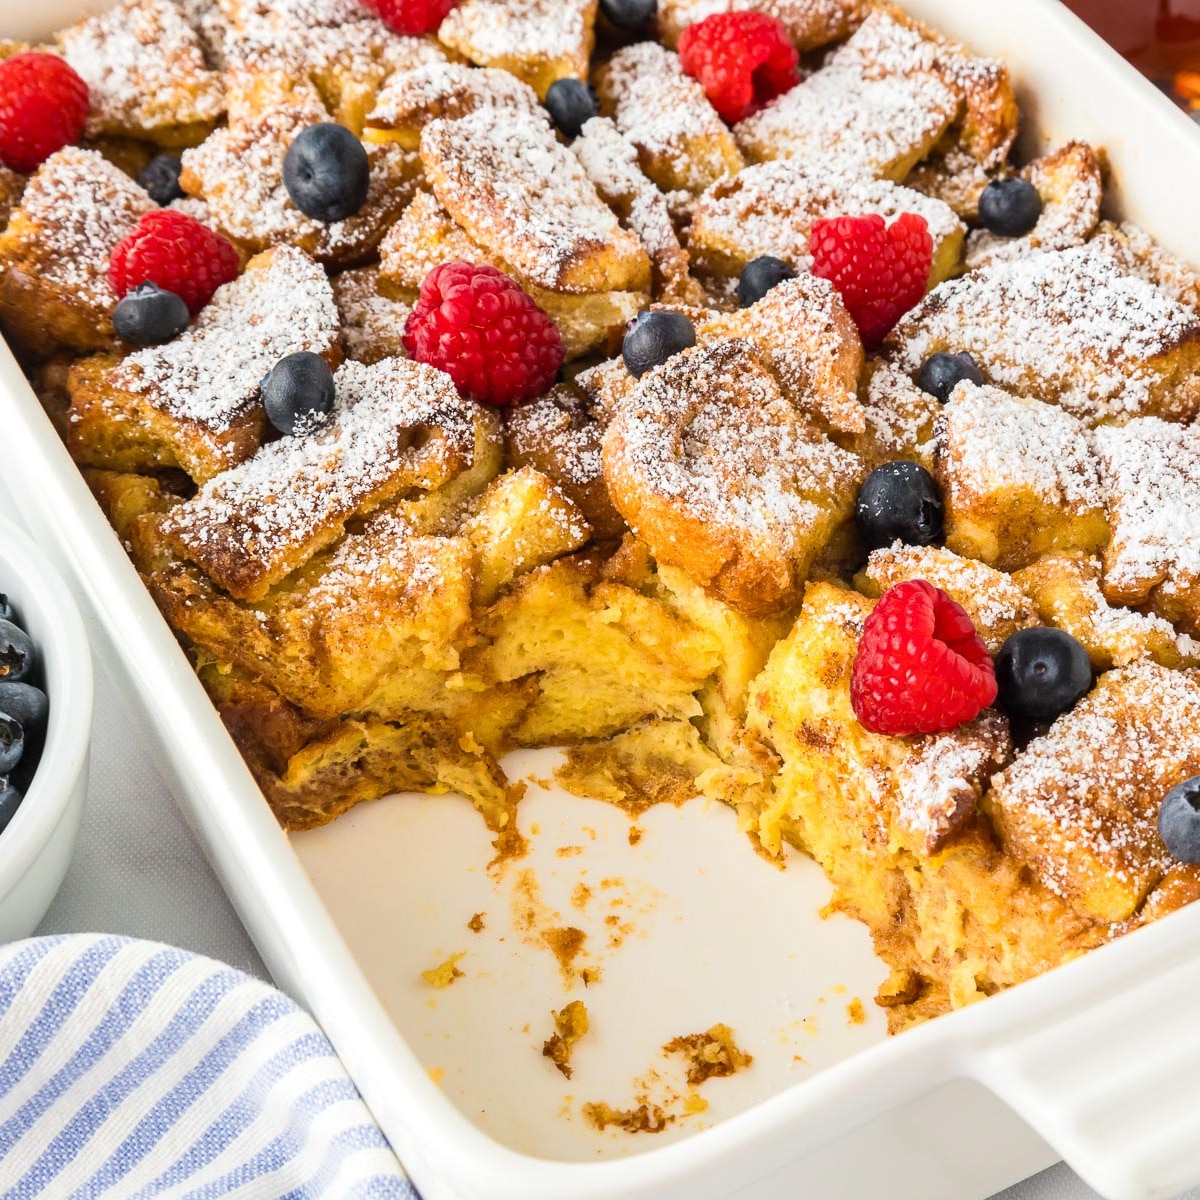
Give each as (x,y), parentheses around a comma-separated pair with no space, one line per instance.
(510,845)
(570,1024)
(437,1074)
(635,834)
(581,895)
(854,1012)
(475,924)
(444,974)
(709,1054)
(695,1103)
(565,944)
(568,851)
(899,988)
(646,1118)
(590,975)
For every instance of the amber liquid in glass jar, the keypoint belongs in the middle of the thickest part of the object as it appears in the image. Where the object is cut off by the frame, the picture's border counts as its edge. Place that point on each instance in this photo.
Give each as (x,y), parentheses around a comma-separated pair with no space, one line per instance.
(1160,37)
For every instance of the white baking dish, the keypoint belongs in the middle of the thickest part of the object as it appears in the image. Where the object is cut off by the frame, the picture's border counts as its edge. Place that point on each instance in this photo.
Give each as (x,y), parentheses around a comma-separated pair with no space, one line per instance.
(1099,1058)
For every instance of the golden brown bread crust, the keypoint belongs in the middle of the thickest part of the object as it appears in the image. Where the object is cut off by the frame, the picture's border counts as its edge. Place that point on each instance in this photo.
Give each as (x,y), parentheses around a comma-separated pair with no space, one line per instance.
(810,24)
(711,465)
(11,187)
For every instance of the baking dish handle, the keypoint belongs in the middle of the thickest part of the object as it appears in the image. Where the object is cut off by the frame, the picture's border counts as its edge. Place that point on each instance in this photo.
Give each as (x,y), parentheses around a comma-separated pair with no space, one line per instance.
(1114,1087)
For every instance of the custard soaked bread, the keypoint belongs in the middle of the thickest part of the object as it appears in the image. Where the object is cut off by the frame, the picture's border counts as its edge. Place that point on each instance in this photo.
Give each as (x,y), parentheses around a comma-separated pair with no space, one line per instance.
(827,462)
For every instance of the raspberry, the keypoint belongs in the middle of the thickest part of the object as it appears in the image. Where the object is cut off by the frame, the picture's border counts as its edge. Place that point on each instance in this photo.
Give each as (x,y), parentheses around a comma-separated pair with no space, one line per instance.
(43,106)
(880,270)
(478,326)
(178,254)
(920,666)
(743,60)
(412,17)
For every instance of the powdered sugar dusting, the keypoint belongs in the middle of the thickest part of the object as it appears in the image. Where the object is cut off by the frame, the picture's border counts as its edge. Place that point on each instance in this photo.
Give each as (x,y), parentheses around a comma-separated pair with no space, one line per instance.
(1151,471)
(410,99)
(769,208)
(265,517)
(79,206)
(557,425)
(372,323)
(145,69)
(992,442)
(809,23)
(488,31)
(211,373)
(1064,326)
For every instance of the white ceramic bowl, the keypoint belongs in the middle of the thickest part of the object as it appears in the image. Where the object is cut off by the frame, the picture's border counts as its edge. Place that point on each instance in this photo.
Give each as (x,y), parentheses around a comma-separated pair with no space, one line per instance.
(36,848)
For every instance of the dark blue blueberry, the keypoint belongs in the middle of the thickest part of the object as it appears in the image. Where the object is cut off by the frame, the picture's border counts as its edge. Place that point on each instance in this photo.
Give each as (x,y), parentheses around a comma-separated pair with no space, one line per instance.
(899,501)
(17,654)
(149,316)
(759,276)
(631,15)
(1041,673)
(1010,207)
(160,177)
(25,703)
(10,801)
(653,338)
(1179,820)
(326,172)
(12,743)
(940,374)
(298,392)
(571,105)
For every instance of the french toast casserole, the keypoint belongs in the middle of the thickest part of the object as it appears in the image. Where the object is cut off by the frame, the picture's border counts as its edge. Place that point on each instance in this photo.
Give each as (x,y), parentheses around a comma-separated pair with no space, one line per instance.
(709,392)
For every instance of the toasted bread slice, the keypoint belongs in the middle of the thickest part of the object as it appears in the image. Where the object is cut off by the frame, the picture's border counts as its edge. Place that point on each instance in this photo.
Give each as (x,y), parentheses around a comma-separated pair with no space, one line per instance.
(521,194)
(1136,253)
(1067,592)
(722,477)
(898,418)
(556,436)
(146,74)
(11,187)
(1067,327)
(810,24)
(682,144)
(770,208)
(1080,805)
(1071,185)
(238,173)
(211,26)
(995,602)
(538,41)
(955,178)
(1151,474)
(1019,479)
(372,322)
(54,254)
(397,427)
(611,163)
(194,401)
(411,99)
(425,237)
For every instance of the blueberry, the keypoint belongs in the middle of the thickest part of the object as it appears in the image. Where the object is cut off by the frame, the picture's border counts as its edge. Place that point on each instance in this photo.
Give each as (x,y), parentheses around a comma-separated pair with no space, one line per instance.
(631,15)
(899,500)
(10,801)
(653,338)
(1010,207)
(298,392)
(149,316)
(941,373)
(12,743)
(1179,820)
(759,276)
(326,172)
(1042,673)
(160,177)
(25,703)
(17,655)
(571,105)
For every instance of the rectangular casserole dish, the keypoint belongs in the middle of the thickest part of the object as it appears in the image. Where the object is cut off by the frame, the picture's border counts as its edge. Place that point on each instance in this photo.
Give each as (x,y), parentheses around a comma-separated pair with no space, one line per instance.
(1093,1062)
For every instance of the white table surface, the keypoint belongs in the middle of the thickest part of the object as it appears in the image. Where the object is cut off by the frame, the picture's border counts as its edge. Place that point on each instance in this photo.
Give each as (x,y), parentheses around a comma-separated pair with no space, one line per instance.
(139,871)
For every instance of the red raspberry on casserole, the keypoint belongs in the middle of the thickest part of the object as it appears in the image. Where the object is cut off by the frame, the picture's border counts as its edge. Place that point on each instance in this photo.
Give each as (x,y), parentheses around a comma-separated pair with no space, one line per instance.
(743,60)
(477,325)
(920,666)
(412,17)
(178,254)
(880,270)
(43,107)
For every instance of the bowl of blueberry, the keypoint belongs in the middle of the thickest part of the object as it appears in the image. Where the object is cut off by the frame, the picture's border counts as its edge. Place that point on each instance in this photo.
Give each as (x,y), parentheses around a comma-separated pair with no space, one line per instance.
(45,726)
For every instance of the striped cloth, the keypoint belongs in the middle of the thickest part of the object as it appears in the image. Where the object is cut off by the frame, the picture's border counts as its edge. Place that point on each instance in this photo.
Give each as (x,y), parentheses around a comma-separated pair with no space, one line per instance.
(130,1069)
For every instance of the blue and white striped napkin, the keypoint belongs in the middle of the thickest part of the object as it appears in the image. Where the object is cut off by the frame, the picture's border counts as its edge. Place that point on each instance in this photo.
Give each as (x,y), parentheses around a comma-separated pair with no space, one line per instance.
(130,1069)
